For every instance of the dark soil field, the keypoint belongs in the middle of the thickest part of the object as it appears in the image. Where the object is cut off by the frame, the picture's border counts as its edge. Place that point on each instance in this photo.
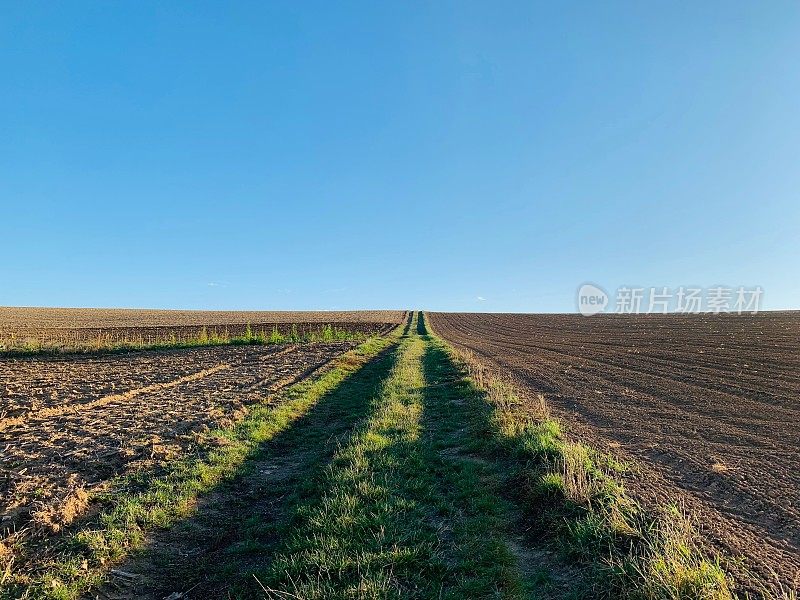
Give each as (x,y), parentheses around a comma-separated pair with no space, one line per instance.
(708,405)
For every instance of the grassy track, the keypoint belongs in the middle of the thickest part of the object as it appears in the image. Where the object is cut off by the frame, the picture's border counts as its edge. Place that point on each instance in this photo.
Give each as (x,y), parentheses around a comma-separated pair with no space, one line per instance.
(403,510)
(363,484)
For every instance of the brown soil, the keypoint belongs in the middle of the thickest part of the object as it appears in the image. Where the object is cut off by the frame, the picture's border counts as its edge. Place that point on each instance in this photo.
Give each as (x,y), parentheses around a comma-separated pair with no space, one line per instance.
(708,404)
(69,423)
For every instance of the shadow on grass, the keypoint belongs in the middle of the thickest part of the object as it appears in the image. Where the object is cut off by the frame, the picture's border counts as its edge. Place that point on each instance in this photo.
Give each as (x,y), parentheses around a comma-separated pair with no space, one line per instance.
(479,481)
(236,527)
(372,528)
(477,516)
(399,514)
(407,509)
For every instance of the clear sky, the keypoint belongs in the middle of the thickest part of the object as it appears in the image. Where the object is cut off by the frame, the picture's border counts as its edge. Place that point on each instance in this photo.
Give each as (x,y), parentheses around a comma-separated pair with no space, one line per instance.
(486,156)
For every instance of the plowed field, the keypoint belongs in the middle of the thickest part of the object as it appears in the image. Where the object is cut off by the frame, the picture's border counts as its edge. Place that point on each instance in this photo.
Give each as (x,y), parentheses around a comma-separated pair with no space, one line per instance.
(69,423)
(708,404)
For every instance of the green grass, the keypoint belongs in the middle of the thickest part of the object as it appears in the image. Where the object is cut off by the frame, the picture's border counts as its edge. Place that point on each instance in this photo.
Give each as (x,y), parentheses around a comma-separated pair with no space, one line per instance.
(400,512)
(204,337)
(574,498)
(141,502)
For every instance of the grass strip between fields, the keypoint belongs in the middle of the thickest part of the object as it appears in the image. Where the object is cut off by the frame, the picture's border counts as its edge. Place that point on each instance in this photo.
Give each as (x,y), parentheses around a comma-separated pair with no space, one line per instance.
(140,502)
(575,499)
(205,337)
(402,511)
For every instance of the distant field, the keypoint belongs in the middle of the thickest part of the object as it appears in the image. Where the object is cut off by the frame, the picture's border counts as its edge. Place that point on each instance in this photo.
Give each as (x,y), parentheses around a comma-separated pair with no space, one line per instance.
(711,402)
(15,318)
(86,328)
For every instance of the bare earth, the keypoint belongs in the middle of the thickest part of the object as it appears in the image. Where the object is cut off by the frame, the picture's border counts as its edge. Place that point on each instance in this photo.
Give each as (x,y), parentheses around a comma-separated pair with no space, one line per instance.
(69,423)
(708,404)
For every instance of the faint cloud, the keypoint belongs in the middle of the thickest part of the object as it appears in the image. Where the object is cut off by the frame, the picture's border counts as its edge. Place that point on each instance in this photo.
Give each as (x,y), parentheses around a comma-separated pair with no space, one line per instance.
(217,284)
(481,299)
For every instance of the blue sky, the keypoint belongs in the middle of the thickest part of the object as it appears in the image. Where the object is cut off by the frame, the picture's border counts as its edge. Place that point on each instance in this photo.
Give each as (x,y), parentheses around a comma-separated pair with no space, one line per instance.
(467,156)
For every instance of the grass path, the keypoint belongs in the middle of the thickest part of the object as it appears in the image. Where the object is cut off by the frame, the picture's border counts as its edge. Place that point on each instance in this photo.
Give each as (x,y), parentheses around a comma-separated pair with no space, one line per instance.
(405,509)
(395,474)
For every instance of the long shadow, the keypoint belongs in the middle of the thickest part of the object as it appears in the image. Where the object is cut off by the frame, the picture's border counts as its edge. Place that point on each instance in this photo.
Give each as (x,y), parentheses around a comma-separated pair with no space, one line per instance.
(409,321)
(236,528)
(477,516)
(374,527)
(457,424)
(402,514)
(447,392)
(422,330)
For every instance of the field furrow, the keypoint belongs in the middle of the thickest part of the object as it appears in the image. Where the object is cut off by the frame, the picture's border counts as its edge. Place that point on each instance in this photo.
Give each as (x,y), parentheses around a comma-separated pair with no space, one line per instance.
(707,403)
(51,452)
